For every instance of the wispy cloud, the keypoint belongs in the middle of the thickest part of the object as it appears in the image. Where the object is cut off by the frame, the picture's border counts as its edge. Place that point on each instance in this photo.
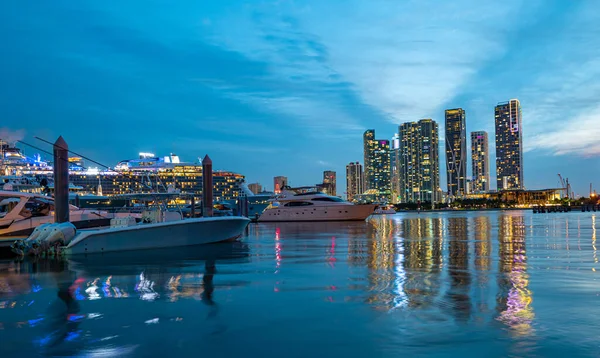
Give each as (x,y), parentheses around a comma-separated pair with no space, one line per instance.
(11,135)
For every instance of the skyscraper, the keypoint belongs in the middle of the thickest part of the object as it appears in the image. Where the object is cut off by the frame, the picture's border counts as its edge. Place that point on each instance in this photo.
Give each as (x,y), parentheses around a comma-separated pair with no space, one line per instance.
(279,183)
(480,161)
(395,168)
(377,164)
(255,188)
(456,152)
(429,160)
(368,140)
(419,161)
(329,181)
(509,145)
(354,180)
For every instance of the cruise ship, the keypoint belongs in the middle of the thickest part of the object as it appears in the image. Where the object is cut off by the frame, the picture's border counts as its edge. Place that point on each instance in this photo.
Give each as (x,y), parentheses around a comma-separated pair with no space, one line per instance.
(313,206)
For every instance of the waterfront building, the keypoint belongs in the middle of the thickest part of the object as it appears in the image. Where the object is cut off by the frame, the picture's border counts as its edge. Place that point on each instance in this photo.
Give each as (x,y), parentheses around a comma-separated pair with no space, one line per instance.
(255,188)
(480,161)
(354,180)
(151,173)
(395,168)
(377,165)
(368,141)
(419,161)
(456,151)
(509,145)
(329,181)
(279,183)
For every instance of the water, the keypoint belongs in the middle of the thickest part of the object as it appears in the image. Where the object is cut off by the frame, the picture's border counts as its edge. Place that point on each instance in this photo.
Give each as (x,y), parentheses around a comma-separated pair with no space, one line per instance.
(475,284)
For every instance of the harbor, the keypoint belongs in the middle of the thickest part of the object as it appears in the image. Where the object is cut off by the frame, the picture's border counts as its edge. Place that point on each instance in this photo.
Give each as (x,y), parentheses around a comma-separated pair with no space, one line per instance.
(443,283)
(299,179)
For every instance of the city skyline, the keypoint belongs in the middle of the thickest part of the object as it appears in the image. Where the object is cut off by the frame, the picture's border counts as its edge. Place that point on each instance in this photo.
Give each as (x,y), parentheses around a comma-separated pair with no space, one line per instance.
(266,92)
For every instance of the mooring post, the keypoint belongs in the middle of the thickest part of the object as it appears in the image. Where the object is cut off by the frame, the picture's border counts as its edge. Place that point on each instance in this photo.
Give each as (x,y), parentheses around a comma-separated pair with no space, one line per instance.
(207,187)
(61,181)
(193,207)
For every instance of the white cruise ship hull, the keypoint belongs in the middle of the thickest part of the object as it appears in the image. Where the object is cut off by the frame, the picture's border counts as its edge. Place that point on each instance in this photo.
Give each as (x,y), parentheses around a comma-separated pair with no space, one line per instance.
(170,234)
(317,213)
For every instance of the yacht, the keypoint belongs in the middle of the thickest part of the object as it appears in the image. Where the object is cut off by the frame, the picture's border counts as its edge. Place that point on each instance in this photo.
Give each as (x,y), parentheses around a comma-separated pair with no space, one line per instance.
(384,210)
(21,213)
(313,206)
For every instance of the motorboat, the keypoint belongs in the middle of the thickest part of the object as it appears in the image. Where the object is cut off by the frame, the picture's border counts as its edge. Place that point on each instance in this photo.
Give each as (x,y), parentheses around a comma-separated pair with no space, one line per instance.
(159,228)
(21,213)
(384,210)
(313,206)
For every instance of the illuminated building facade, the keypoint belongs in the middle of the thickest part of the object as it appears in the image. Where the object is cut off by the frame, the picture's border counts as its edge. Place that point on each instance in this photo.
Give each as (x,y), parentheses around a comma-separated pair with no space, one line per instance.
(419,161)
(151,173)
(480,162)
(456,152)
(279,183)
(368,140)
(354,180)
(395,168)
(509,145)
(377,165)
(329,182)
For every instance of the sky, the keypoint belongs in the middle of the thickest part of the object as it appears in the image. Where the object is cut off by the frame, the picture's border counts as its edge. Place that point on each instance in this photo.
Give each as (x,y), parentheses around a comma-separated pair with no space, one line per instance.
(269,88)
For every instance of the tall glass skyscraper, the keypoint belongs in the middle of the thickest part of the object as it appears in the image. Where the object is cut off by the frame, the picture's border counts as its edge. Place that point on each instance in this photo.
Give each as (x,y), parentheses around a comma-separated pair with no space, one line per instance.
(419,161)
(509,145)
(480,161)
(354,180)
(456,152)
(368,142)
(395,168)
(329,181)
(377,164)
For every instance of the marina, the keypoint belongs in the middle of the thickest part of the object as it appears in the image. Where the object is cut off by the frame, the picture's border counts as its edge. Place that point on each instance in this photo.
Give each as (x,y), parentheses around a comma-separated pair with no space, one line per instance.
(494,283)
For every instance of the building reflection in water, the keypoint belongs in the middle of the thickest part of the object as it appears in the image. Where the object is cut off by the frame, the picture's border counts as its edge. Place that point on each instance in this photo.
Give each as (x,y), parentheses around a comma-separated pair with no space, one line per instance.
(381,263)
(594,241)
(423,261)
(514,299)
(458,268)
(482,228)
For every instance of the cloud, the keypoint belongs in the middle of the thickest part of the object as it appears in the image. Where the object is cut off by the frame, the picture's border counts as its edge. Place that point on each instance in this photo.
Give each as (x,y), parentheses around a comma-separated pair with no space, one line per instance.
(561,111)
(579,136)
(11,135)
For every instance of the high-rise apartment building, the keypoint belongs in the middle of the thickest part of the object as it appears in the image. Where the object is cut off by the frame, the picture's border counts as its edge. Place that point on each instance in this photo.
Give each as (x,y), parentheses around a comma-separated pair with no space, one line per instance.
(377,164)
(395,168)
(255,188)
(279,183)
(509,145)
(354,180)
(329,182)
(480,161)
(419,161)
(368,141)
(456,152)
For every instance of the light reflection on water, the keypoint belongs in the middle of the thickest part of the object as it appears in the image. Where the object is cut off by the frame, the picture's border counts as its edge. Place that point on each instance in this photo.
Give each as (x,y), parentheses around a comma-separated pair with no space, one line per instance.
(443,284)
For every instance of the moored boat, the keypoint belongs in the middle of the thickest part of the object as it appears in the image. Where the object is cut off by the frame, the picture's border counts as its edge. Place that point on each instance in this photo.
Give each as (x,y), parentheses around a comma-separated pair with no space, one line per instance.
(313,206)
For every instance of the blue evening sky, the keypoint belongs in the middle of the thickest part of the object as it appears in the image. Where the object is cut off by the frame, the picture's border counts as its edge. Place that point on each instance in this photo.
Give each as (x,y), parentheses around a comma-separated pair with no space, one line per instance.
(287,87)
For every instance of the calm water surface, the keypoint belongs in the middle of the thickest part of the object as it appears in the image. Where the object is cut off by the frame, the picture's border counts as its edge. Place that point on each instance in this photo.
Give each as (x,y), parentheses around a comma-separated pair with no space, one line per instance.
(438,284)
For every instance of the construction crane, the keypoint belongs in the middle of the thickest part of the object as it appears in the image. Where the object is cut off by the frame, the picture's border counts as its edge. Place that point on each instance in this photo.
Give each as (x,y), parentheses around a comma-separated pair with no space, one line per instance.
(564,184)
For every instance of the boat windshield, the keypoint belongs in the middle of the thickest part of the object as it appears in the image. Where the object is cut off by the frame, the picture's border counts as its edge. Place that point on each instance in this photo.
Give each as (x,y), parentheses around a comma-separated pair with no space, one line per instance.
(37,207)
(7,205)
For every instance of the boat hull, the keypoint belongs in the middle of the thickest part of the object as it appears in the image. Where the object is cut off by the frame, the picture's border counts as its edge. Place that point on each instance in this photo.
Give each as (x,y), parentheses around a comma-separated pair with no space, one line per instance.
(158,235)
(318,213)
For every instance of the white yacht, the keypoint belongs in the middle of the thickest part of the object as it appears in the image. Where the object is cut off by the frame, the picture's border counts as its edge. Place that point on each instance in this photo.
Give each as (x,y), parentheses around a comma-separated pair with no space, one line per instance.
(313,206)
(21,213)
(385,210)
